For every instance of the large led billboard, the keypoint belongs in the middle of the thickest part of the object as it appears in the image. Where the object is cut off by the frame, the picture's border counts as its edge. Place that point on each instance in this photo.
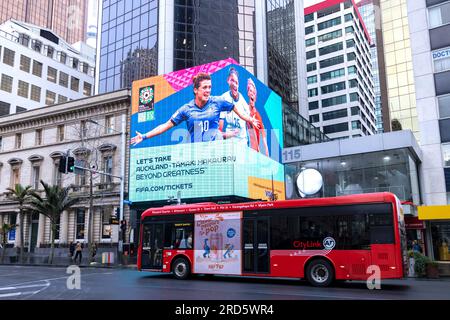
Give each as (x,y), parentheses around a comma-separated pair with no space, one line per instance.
(208,131)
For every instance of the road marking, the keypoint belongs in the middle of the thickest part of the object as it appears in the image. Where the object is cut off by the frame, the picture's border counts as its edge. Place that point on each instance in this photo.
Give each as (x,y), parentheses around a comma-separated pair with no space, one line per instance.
(16,294)
(23,287)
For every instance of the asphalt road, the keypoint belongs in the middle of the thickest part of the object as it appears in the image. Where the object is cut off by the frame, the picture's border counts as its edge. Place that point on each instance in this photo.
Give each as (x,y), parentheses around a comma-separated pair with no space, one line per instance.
(53,283)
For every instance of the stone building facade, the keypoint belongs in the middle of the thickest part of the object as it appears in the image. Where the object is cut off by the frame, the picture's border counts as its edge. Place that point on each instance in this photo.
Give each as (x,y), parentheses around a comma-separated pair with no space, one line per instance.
(31,144)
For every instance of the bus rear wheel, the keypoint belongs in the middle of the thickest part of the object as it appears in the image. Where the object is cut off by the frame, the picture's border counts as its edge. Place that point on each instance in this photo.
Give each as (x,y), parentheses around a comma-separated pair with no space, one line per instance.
(181,269)
(320,273)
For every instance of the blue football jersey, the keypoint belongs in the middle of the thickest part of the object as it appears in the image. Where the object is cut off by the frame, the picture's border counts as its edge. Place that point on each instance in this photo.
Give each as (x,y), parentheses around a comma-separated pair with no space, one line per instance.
(202,123)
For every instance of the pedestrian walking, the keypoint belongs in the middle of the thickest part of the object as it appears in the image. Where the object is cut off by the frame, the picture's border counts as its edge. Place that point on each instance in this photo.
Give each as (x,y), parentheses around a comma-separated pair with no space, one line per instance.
(78,252)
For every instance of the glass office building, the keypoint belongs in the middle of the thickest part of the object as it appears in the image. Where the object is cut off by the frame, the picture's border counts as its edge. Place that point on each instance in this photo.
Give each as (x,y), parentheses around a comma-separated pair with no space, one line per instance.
(67,18)
(202,32)
(128,43)
(399,66)
(281,50)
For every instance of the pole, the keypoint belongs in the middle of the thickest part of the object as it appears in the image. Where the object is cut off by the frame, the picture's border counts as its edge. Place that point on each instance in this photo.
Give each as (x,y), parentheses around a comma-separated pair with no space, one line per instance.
(122,166)
(91,217)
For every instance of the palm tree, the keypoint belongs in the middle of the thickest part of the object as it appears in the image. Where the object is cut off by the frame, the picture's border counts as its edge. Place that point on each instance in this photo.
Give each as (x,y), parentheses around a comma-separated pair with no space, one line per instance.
(22,195)
(4,230)
(56,201)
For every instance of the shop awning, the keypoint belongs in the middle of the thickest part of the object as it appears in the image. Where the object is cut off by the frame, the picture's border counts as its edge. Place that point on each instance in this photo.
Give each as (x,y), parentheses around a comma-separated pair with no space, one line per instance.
(434,212)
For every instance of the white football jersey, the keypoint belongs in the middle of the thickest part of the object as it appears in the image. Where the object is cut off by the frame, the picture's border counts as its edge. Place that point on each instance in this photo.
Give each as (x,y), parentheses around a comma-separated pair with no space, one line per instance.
(232,121)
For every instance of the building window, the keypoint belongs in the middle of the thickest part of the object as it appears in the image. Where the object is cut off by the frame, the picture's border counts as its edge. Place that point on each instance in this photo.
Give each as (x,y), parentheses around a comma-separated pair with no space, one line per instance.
(50,52)
(354,97)
(63,79)
(334,101)
(80,218)
(329,23)
(24,39)
(334,114)
(446,154)
(309,17)
(8,57)
(109,124)
(311,67)
(25,63)
(36,45)
(107,166)
(74,84)
(62,57)
(50,97)
(331,61)
(35,178)
(331,48)
(38,140)
(18,143)
(60,133)
(4,108)
(356,124)
(35,93)
(330,36)
(309,30)
(61,98)
(340,127)
(332,74)
(106,225)
(439,15)
(333,87)
(87,88)
(51,74)
(311,54)
(1,144)
(355,111)
(83,129)
(444,127)
(351,70)
(75,63)
(37,68)
(22,89)
(313,105)
(312,79)
(314,118)
(6,83)
(15,176)
(310,42)
(444,106)
(84,67)
(57,176)
(313,92)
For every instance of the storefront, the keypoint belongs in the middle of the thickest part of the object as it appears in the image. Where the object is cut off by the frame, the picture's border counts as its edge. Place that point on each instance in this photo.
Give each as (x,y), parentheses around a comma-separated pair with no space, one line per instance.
(438,225)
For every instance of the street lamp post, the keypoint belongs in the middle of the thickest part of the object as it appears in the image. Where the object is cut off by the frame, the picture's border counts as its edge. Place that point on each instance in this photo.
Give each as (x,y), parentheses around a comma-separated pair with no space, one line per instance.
(122,164)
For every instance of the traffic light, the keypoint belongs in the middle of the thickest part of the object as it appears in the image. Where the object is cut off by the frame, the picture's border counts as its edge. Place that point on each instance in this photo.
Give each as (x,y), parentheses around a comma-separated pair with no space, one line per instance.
(70,164)
(62,164)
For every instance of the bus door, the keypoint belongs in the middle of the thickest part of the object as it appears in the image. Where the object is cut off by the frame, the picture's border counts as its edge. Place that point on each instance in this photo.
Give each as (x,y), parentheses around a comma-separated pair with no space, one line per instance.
(256,245)
(152,246)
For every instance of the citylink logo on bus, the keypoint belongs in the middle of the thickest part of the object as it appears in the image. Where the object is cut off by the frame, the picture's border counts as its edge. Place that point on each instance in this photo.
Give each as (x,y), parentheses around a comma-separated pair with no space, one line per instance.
(208,131)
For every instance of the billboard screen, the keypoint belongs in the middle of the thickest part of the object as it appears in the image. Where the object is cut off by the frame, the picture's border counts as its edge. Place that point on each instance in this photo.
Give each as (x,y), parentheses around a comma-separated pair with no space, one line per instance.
(208,131)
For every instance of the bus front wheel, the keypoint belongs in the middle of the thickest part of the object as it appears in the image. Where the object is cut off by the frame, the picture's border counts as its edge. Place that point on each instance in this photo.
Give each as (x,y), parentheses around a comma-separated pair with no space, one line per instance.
(181,269)
(320,273)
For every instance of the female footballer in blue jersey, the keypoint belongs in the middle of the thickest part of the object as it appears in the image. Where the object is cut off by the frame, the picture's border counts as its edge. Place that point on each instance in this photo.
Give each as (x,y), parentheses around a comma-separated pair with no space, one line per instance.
(201,114)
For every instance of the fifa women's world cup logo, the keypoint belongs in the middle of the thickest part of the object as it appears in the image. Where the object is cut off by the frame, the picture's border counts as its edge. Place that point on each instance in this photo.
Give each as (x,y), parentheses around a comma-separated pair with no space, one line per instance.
(146,104)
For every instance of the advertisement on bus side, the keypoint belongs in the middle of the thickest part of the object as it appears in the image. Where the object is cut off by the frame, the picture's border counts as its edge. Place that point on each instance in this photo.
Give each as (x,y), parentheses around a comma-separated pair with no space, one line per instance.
(217,244)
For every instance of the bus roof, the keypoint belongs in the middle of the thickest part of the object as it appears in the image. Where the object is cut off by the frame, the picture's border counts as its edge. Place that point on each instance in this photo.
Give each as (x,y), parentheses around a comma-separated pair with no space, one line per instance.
(210,207)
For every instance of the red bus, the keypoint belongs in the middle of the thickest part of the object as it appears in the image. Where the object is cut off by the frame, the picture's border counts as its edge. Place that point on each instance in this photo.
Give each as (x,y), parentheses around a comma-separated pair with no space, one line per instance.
(322,239)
